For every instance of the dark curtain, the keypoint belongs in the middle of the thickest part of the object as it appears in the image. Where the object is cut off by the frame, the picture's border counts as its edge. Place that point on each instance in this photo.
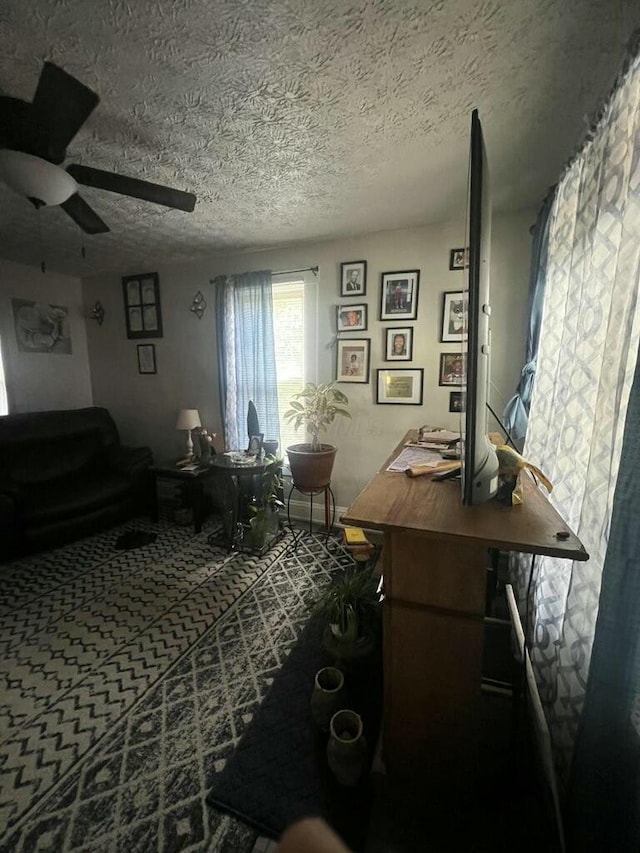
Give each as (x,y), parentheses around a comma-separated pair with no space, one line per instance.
(516,413)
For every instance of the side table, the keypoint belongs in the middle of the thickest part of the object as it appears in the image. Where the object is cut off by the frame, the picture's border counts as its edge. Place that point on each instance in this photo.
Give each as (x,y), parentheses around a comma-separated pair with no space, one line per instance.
(193,483)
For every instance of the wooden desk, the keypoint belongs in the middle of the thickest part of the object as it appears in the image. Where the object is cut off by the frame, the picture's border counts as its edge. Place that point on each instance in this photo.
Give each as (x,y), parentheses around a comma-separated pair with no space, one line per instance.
(434,565)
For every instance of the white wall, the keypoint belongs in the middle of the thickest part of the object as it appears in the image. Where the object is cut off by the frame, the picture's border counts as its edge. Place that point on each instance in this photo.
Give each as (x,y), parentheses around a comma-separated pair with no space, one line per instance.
(145,406)
(39,381)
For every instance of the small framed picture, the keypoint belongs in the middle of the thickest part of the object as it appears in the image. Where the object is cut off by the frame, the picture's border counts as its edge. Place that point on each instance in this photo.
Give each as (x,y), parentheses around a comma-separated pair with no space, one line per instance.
(453,368)
(142,305)
(353,278)
(353,360)
(455,401)
(454,317)
(399,344)
(146,358)
(255,444)
(399,295)
(400,386)
(458,259)
(352,318)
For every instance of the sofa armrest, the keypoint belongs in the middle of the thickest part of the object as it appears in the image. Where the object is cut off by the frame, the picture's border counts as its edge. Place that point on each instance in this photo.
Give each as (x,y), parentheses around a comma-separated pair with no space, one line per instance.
(129,461)
(8,524)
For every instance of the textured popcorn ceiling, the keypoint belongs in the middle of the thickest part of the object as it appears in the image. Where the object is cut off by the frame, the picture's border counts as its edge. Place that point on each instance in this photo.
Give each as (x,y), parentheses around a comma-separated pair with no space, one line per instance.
(300,120)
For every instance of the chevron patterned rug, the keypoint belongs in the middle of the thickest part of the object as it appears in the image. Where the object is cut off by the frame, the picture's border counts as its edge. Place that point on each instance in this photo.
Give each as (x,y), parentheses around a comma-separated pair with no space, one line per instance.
(128,677)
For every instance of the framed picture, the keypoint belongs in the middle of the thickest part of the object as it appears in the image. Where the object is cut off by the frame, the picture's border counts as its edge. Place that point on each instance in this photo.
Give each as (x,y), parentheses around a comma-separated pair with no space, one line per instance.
(353,278)
(453,368)
(458,259)
(353,360)
(146,358)
(455,401)
(400,386)
(352,318)
(399,295)
(255,444)
(142,305)
(399,344)
(454,316)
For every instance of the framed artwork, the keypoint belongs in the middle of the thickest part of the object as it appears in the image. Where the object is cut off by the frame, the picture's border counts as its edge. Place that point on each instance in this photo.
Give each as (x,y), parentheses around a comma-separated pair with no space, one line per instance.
(454,313)
(146,358)
(352,318)
(455,401)
(399,295)
(453,368)
(142,305)
(255,444)
(41,327)
(400,386)
(399,344)
(353,360)
(353,278)
(458,259)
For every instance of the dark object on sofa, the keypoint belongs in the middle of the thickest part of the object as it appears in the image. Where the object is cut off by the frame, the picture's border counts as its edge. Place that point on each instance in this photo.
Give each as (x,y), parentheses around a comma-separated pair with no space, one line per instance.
(64,475)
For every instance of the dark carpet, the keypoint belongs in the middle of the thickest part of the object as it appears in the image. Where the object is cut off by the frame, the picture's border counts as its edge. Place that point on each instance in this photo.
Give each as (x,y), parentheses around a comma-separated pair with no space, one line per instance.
(134,539)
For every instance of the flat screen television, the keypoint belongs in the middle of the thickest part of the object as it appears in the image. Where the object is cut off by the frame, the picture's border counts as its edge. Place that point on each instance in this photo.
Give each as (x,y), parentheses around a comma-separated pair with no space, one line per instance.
(479,460)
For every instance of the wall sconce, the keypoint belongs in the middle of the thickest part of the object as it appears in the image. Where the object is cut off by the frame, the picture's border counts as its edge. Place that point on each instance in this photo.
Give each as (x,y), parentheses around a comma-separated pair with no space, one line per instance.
(198,305)
(97,313)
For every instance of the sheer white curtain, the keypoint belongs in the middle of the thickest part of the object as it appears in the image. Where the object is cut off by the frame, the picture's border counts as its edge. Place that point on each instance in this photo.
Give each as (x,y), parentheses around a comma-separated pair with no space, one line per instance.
(588,348)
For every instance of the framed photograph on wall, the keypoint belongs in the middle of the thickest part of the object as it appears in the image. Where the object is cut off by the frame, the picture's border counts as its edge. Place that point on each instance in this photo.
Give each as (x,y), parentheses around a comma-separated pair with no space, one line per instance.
(146,358)
(454,313)
(353,278)
(142,305)
(399,344)
(453,368)
(456,402)
(400,386)
(353,360)
(458,259)
(352,318)
(399,295)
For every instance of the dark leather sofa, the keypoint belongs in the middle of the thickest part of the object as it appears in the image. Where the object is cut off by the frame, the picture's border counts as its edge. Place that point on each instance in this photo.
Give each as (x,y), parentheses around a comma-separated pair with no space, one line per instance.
(63,475)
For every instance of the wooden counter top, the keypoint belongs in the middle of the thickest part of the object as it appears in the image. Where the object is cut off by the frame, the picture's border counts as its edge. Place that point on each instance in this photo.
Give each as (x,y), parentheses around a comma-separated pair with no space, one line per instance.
(393,500)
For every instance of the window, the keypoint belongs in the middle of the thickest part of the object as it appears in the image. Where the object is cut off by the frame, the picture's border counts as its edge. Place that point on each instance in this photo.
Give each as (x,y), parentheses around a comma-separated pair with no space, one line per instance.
(4,404)
(294,324)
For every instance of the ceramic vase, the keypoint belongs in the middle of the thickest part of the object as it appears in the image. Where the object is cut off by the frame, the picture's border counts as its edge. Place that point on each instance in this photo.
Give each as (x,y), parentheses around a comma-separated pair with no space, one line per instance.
(346,750)
(328,696)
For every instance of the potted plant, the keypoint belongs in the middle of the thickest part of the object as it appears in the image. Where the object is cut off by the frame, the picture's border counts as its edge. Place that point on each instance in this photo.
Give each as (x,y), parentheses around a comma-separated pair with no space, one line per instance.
(265,508)
(351,607)
(316,406)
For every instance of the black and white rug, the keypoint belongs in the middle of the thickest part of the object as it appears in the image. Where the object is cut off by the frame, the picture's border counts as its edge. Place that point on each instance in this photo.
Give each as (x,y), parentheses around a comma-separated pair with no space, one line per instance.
(127,678)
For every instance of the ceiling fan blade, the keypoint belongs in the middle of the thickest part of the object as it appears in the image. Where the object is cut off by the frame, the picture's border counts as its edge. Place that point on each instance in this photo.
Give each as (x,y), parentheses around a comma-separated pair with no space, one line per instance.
(83,215)
(132,187)
(61,105)
(15,124)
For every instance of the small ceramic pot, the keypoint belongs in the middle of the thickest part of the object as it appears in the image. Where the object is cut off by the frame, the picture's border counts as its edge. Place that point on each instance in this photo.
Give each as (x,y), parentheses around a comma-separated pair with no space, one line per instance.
(328,696)
(346,750)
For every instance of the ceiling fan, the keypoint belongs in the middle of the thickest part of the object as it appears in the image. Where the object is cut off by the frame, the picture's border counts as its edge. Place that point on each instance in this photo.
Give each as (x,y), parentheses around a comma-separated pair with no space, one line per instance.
(33,141)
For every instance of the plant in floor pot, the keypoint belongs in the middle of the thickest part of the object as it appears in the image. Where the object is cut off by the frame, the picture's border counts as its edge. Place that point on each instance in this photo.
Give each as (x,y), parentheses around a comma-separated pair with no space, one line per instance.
(351,606)
(316,406)
(265,508)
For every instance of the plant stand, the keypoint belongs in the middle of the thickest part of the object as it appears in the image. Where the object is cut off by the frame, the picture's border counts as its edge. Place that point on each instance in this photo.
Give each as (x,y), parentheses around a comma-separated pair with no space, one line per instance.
(329,508)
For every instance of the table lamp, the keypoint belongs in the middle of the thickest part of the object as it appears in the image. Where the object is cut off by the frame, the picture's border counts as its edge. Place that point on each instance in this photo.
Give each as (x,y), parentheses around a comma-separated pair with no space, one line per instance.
(188,419)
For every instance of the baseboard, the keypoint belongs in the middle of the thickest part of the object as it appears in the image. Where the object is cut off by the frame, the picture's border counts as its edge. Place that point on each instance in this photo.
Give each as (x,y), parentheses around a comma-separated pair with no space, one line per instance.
(299,510)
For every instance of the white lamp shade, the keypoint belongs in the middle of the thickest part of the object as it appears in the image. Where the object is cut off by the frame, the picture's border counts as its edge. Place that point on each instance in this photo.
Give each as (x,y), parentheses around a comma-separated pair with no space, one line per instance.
(36,178)
(188,419)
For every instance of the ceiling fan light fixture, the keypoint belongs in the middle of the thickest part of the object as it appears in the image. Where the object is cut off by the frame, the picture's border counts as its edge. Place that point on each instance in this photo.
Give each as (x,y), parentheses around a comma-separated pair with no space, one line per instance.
(35,178)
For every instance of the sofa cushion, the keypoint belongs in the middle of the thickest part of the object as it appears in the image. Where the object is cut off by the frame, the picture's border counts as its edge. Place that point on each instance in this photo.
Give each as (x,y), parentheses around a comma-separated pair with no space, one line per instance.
(40,461)
(72,496)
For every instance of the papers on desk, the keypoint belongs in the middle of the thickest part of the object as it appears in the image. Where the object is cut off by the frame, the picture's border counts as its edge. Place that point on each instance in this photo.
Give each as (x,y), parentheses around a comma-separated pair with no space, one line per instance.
(411,456)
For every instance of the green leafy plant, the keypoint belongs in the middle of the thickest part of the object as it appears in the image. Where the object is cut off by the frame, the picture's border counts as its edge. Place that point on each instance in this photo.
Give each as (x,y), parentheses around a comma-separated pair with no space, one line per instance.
(267,502)
(350,604)
(317,406)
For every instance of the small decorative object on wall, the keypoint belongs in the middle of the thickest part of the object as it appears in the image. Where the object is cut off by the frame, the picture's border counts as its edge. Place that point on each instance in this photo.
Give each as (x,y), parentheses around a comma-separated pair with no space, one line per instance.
(458,259)
(399,344)
(455,401)
(97,313)
(352,318)
(142,305)
(40,327)
(400,386)
(353,278)
(453,368)
(399,295)
(353,360)
(199,305)
(146,358)
(454,311)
